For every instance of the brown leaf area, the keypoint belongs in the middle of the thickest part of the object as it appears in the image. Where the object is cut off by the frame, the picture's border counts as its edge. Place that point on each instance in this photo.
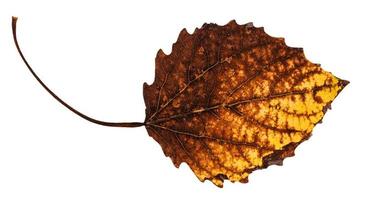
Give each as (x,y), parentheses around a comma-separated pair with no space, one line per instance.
(231,99)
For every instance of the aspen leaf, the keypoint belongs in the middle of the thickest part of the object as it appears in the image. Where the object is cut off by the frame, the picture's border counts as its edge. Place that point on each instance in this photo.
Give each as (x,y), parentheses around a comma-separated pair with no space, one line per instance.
(229,100)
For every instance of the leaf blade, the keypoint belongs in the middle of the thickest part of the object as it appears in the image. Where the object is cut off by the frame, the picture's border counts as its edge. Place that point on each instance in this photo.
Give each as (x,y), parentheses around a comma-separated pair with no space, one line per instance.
(232,99)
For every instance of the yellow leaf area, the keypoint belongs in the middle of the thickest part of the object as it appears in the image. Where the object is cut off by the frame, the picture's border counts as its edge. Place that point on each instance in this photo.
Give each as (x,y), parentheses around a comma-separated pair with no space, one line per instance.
(266,125)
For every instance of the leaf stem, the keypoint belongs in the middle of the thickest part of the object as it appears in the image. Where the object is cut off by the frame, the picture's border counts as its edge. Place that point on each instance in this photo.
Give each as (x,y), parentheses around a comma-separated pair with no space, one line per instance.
(90,119)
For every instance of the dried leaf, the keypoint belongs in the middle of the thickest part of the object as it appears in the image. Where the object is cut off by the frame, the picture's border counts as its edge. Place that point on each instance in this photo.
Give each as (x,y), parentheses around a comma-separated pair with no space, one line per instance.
(231,99)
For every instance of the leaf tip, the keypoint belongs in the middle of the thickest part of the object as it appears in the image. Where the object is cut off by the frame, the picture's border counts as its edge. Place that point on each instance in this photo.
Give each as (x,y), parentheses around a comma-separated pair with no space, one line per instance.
(344,83)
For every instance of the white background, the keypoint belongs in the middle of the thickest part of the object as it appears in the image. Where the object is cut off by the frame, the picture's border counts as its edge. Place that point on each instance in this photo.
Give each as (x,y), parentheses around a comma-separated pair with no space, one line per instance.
(96,56)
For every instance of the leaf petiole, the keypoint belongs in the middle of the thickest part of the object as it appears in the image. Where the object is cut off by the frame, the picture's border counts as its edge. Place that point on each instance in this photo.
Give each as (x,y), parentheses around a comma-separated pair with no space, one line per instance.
(90,119)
